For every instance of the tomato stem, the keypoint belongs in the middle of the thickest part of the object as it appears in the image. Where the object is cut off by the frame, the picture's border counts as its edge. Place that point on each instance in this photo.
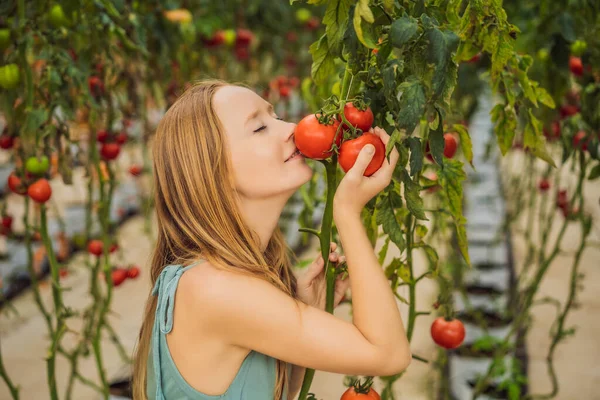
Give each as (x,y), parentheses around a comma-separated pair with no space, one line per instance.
(325,240)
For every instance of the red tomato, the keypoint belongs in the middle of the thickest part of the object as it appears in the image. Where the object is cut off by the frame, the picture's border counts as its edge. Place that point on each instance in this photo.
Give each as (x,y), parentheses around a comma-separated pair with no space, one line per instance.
(449,145)
(6,142)
(314,139)
(351,394)
(294,81)
(110,151)
(544,185)
(96,86)
(562,201)
(351,148)
(447,334)
(133,272)
(313,23)
(567,110)
(121,138)
(359,119)
(118,275)
(281,80)
(242,53)
(7,221)
(576,66)
(577,140)
(40,191)
(474,59)
(291,36)
(284,91)
(15,184)
(95,247)
(243,37)
(554,132)
(217,39)
(102,136)
(113,248)
(135,170)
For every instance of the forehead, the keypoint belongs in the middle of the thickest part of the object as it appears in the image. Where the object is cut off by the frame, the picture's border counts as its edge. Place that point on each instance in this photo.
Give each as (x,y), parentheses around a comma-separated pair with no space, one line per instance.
(236,98)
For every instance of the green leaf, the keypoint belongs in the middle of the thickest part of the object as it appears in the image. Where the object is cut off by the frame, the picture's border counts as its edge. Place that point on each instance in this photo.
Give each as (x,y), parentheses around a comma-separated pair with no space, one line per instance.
(544,97)
(416,155)
(403,272)
(431,254)
(414,202)
(403,30)
(437,142)
(594,173)
(386,217)
(412,104)
(450,180)
(383,251)
(421,230)
(335,20)
(534,140)
(34,120)
(441,46)
(505,120)
(362,11)
(465,142)
(323,60)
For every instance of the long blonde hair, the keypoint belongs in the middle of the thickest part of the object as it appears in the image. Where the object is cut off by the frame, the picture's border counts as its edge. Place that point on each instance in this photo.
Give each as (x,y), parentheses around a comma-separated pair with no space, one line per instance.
(198,214)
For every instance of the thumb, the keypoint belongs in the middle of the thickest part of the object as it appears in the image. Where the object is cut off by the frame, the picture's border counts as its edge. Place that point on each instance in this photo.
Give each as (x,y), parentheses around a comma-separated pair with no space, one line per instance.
(363,160)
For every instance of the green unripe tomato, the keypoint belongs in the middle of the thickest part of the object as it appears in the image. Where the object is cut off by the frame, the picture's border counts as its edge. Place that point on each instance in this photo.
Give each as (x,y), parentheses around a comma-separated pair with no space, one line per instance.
(57,17)
(303,15)
(229,37)
(578,47)
(10,76)
(37,166)
(4,39)
(543,54)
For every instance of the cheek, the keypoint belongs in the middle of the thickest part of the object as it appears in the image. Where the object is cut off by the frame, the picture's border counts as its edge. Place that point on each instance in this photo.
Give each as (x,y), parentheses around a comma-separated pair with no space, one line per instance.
(254,167)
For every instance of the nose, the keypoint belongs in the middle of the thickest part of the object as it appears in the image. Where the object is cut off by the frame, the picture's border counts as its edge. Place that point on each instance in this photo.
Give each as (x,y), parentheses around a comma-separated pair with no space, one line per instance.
(292,129)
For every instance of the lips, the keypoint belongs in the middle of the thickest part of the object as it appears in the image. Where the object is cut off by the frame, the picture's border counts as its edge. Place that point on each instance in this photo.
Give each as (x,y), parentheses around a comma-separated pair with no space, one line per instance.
(296,152)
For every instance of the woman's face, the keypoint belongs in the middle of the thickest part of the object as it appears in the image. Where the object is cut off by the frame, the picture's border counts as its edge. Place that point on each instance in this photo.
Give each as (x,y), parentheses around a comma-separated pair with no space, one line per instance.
(261,145)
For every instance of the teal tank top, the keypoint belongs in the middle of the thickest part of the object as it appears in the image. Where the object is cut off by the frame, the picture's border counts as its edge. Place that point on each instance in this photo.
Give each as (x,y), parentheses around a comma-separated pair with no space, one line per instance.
(255,379)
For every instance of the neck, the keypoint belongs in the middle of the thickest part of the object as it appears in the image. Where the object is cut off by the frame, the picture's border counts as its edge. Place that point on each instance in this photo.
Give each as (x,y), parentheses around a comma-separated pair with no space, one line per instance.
(262,216)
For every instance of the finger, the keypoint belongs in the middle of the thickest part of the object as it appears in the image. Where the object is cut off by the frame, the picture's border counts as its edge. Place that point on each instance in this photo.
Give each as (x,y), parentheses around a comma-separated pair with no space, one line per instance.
(362,161)
(333,246)
(334,257)
(315,269)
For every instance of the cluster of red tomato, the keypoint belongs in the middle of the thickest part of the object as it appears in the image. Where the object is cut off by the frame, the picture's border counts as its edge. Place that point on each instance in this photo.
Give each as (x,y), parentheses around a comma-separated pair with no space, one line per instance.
(40,190)
(315,139)
(283,85)
(118,275)
(241,39)
(567,110)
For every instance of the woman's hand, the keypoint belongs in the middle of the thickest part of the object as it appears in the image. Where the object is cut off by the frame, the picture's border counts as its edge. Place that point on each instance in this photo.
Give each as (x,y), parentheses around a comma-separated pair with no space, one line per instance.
(312,284)
(355,189)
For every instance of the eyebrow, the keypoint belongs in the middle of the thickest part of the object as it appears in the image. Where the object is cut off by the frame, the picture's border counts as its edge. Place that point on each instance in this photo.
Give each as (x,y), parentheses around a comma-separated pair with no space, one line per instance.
(256,112)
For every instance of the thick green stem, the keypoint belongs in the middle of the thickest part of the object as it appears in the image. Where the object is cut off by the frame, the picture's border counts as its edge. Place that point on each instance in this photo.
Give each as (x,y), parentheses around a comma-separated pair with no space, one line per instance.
(58,306)
(325,240)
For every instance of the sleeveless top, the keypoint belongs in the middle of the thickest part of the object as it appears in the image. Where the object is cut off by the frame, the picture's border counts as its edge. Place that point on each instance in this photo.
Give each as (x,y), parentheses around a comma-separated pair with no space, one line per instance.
(255,380)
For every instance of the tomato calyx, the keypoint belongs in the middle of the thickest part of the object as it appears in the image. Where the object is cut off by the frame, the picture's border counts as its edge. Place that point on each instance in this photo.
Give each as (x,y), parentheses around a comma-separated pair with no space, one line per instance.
(360,386)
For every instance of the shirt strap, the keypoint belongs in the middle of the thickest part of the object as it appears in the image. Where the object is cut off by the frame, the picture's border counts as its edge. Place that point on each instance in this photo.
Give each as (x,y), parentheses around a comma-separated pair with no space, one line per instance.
(164,288)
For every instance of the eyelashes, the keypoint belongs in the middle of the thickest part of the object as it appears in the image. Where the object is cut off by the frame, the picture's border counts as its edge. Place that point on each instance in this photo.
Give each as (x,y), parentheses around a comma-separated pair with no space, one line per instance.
(265,127)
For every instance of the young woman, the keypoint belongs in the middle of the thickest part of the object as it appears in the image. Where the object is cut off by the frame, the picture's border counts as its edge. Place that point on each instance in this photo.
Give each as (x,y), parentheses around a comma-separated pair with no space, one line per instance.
(243,326)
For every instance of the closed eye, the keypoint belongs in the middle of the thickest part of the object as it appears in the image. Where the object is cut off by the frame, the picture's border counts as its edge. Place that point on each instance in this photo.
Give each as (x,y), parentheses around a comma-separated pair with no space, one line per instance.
(265,127)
